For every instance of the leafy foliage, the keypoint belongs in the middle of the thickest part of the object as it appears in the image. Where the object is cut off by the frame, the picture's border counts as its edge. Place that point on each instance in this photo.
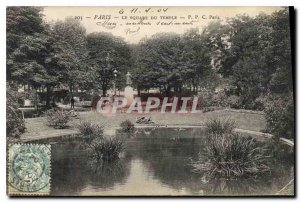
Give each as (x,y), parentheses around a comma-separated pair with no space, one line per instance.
(280,116)
(20,22)
(57,118)
(15,125)
(255,54)
(168,60)
(71,52)
(106,54)
(127,126)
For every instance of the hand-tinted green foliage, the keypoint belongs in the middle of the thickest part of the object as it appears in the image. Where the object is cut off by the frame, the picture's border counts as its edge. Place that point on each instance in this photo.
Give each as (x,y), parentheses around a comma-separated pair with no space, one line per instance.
(15,125)
(21,21)
(106,54)
(71,52)
(57,118)
(33,61)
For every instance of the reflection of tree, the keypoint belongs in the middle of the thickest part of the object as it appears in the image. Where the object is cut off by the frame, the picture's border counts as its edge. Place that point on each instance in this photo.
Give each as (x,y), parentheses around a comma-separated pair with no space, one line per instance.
(72,170)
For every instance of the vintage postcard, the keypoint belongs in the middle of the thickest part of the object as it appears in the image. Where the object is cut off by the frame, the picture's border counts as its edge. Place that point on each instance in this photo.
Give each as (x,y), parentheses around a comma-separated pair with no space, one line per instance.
(150,101)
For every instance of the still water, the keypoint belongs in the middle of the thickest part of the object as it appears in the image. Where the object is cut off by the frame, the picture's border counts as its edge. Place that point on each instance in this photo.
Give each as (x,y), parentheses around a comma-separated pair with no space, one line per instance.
(154,162)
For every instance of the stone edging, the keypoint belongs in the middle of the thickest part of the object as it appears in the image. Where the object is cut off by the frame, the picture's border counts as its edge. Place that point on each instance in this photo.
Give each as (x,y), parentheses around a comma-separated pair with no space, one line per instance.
(244,111)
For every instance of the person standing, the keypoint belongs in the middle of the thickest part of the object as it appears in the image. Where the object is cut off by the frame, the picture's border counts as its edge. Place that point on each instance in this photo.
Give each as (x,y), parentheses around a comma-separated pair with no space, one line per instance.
(72,103)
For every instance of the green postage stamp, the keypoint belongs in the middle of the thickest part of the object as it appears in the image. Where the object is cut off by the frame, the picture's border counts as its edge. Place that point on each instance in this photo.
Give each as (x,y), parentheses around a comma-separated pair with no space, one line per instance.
(29,168)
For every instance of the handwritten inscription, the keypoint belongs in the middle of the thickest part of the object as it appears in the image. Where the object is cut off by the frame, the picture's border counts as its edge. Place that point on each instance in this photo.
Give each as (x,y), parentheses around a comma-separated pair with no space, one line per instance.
(132,19)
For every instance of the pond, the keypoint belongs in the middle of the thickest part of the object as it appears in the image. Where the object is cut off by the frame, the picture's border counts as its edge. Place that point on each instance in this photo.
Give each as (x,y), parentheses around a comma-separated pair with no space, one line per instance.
(157,161)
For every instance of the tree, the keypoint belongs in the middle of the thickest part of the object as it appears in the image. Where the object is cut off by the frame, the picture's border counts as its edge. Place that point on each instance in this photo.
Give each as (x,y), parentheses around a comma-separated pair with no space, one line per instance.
(168,60)
(70,50)
(20,22)
(34,62)
(279,53)
(256,55)
(106,54)
(161,61)
(15,124)
(279,113)
(136,70)
(197,53)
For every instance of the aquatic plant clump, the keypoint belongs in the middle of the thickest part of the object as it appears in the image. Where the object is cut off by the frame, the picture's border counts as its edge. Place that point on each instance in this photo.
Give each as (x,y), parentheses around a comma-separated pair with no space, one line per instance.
(89,131)
(231,156)
(107,149)
(217,126)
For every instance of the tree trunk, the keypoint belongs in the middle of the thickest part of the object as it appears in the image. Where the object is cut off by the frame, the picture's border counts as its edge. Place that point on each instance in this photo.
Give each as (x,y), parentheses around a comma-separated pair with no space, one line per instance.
(71,89)
(48,96)
(36,99)
(168,91)
(139,91)
(104,90)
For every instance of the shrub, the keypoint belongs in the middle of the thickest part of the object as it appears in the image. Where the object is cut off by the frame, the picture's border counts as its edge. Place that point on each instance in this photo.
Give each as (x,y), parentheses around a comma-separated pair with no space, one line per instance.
(127,126)
(89,131)
(208,109)
(233,101)
(279,115)
(57,118)
(231,156)
(217,126)
(219,99)
(15,125)
(205,99)
(106,149)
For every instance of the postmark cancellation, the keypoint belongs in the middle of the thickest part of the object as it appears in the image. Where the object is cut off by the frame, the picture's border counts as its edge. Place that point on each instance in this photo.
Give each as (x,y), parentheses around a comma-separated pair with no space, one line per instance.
(29,169)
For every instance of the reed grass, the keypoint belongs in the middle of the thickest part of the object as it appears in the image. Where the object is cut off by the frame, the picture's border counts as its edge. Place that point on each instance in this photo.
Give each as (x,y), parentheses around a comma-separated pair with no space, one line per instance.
(230,155)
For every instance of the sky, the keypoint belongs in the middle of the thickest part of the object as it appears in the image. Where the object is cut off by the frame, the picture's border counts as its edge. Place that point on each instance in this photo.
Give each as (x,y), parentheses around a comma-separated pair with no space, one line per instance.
(135,23)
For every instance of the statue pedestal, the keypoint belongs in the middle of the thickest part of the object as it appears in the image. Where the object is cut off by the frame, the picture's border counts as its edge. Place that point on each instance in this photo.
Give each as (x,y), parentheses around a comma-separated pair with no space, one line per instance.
(128,94)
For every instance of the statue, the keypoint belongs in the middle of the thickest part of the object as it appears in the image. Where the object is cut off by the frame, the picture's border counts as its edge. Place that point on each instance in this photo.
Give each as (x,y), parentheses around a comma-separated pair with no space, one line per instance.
(128,92)
(128,79)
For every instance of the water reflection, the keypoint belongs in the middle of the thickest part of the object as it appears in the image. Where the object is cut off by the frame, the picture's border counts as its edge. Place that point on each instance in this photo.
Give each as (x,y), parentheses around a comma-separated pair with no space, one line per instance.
(155,161)
(106,174)
(72,170)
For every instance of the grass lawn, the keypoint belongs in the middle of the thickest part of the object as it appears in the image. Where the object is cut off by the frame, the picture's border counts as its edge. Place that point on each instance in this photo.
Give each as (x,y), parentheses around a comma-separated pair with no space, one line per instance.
(255,122)
(37,128)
